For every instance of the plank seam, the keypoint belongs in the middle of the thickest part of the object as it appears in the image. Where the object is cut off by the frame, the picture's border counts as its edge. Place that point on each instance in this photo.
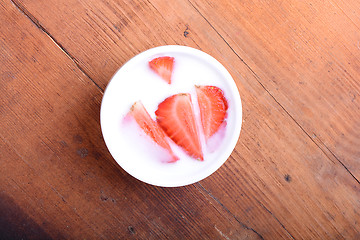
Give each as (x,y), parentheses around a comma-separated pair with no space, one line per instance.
(282,225)
(337,159)
(228,211)
(24,11)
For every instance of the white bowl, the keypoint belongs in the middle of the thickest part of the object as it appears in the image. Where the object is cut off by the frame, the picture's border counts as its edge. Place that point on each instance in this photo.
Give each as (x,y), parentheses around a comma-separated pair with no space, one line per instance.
(136,81)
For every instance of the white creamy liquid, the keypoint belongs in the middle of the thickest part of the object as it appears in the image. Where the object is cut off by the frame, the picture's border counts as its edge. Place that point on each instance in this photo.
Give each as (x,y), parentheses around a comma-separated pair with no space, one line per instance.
(135,81)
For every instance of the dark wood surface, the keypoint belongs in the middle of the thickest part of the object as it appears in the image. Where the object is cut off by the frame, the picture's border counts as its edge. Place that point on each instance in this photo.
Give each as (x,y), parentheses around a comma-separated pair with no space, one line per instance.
(294,173)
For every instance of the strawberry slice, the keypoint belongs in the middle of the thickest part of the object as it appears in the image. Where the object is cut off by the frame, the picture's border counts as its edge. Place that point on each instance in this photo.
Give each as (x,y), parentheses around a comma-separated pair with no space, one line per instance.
(151,128)
(163,66)
(213,106)
(176,116)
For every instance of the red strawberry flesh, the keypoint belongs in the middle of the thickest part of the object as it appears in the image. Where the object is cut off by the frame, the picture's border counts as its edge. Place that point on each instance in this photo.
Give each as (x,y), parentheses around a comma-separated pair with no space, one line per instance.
(151,128)
(163,66)
(176,116)
(213,106)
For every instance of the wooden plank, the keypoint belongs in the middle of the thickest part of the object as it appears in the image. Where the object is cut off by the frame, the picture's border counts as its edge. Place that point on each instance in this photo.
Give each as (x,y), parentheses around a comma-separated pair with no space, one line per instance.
(62,219)
(277,181)
(34,201)
(306,54)
(56,172)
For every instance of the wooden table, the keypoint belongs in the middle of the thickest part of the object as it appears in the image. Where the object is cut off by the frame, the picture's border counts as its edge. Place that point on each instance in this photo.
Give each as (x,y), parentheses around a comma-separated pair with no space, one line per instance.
(294,173)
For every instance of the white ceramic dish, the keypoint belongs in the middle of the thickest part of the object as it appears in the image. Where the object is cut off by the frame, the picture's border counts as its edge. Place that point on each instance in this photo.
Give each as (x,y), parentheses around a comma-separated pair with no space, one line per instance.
(135,81)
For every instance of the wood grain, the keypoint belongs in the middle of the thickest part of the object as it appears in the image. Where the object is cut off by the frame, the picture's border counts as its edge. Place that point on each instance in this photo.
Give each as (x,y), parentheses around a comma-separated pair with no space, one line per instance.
(57,169)
(307,56)
(280,182)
